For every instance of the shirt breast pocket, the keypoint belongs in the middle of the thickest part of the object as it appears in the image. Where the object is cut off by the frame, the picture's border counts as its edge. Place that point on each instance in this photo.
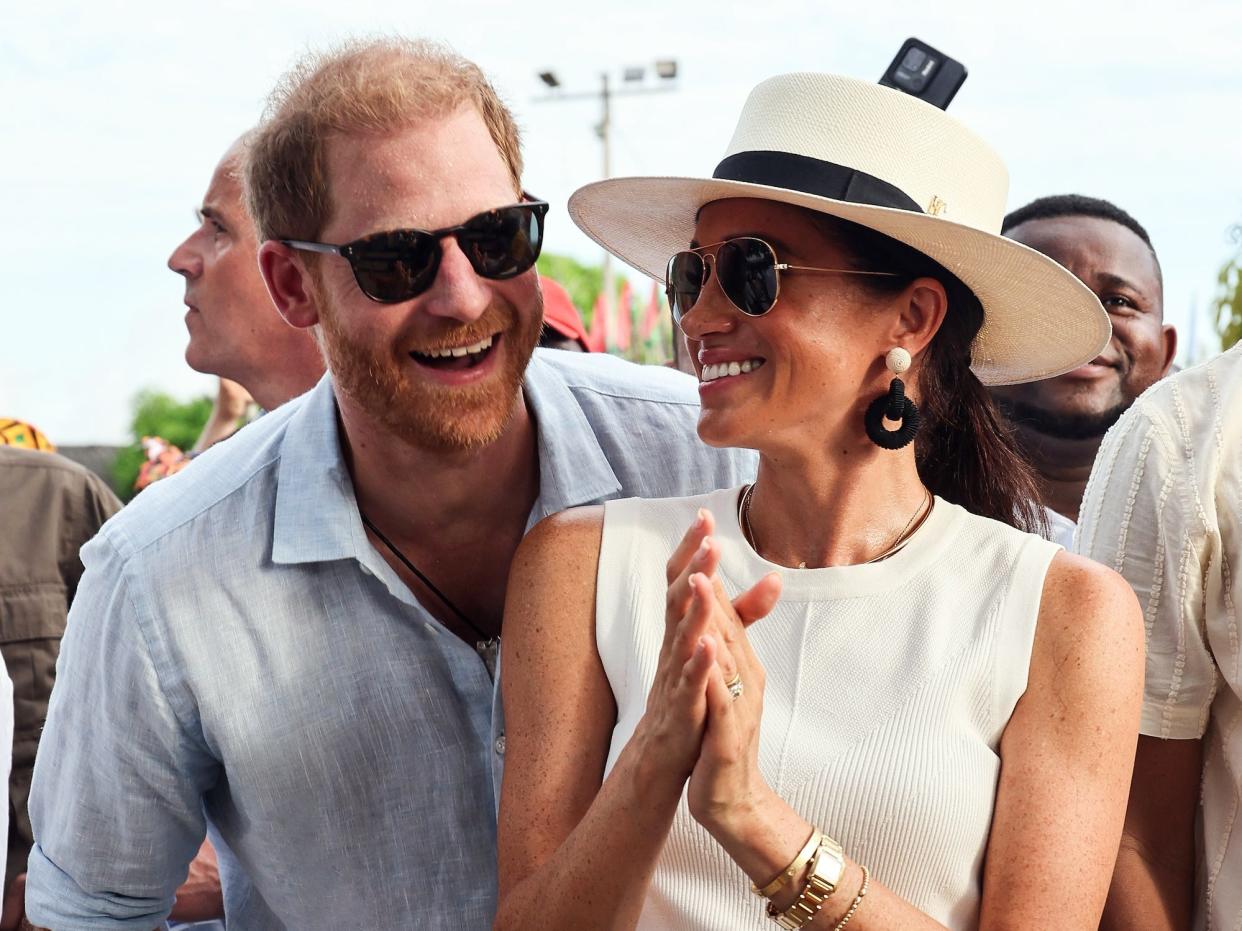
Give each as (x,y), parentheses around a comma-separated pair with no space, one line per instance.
(32,622)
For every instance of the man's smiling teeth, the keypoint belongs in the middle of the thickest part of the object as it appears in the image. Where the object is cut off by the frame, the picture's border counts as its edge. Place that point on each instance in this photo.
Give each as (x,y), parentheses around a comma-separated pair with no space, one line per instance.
(460,351)
(721,369)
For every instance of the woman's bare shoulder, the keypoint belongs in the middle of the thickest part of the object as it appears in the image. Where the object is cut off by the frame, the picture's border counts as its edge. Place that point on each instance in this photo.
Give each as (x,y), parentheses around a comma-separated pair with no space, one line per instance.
(1089,615)
(1080,588)
(565,531)
(556,563)
(566,544)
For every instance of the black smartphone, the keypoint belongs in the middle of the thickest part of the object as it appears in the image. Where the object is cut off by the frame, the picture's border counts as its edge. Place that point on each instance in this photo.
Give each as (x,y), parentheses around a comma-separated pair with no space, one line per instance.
(925,72)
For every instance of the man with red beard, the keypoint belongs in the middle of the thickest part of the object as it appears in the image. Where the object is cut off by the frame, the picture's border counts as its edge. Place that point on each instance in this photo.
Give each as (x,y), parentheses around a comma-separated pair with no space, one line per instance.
(295,640)
(1060,422)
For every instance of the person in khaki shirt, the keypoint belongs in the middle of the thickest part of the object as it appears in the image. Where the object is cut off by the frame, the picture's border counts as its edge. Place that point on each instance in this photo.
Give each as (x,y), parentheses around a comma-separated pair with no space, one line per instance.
(51,508)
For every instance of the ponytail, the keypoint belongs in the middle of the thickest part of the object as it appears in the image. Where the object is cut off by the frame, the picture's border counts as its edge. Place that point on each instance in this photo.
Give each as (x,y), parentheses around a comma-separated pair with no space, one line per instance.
(965,451)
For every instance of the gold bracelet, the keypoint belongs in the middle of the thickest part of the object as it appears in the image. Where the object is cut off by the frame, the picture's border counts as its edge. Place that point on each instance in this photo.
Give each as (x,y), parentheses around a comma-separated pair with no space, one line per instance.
(857,901)
(827,867)
(794,868)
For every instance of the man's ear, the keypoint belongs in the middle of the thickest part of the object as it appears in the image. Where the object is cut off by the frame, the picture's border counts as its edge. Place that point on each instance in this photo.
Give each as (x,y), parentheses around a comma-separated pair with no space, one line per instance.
(921,311)
(288,284)
(1169,336)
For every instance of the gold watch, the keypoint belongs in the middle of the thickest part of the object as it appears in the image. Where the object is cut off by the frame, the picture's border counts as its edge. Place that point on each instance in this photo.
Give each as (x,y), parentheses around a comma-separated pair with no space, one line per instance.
(827,868)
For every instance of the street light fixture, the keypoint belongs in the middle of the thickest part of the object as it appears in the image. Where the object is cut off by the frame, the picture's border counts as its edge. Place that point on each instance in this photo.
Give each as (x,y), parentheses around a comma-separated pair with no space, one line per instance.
(634,80)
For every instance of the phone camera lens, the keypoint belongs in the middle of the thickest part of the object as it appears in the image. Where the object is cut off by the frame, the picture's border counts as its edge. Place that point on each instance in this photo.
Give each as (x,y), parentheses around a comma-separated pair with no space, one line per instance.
(914,60)
(915,70)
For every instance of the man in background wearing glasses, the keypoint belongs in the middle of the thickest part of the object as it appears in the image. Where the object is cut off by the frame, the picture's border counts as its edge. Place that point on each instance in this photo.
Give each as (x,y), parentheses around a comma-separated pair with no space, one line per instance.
(295,639)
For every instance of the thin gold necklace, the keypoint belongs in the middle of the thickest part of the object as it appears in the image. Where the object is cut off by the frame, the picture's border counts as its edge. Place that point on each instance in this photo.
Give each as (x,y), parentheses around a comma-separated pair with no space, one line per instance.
(910,529)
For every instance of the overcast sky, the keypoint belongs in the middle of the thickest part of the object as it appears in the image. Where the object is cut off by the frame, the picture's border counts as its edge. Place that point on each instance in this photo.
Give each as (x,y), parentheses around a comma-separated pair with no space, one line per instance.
(112,117)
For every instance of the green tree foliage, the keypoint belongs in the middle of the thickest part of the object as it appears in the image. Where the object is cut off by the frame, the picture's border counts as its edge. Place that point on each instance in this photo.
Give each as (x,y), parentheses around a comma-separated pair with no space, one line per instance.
(585,283)
(1227,305)
(157,414)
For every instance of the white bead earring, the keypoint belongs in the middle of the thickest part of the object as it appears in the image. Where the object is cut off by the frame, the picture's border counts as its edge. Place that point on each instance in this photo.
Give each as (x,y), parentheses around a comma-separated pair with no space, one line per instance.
(894,406)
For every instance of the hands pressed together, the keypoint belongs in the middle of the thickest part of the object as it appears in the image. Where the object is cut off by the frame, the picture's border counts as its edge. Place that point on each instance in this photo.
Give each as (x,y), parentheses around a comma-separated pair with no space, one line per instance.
(694,725)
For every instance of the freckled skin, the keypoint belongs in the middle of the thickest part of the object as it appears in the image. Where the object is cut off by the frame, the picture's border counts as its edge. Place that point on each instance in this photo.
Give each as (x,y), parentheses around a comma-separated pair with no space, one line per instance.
(1066,751)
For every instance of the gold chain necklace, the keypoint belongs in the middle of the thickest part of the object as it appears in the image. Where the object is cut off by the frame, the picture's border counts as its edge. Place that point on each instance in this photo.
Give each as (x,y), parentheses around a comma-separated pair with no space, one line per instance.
(910,529)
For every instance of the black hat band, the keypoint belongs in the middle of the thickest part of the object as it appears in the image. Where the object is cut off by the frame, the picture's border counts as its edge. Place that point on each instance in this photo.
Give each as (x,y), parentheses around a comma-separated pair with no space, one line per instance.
(813,176)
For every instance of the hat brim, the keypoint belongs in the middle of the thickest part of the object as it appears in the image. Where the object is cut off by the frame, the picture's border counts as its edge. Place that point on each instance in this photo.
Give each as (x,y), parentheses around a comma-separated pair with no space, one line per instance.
(1039,320)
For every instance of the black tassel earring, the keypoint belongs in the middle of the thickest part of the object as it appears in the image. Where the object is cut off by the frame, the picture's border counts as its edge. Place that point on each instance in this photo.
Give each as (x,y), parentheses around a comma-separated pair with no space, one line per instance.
(894,406)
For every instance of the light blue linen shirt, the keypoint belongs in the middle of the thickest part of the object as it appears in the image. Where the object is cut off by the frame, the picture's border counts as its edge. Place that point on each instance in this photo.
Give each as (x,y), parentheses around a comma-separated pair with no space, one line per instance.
(239,653)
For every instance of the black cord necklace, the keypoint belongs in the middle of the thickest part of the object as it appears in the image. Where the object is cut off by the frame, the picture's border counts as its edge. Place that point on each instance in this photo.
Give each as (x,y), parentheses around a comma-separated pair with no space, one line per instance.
(483,639)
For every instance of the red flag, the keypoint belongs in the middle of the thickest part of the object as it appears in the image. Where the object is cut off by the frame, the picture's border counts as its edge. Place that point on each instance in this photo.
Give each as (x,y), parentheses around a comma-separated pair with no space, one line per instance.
(651,319)
(599,326)
(625,316)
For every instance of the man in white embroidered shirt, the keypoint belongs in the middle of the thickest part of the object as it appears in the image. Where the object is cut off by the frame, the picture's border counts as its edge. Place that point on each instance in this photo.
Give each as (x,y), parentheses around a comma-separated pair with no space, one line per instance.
(1164,508)
(291,639)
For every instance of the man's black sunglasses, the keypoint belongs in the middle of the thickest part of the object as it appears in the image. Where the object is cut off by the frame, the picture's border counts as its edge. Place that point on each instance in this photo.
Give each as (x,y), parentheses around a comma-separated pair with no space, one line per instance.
(398,265)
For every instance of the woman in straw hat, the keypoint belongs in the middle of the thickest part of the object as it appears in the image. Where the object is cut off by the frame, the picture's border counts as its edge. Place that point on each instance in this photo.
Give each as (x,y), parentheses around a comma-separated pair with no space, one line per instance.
(858,687)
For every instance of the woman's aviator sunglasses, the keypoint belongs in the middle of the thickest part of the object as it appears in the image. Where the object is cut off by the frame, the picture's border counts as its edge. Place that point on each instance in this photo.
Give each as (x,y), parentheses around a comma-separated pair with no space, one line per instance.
(746,269)
(398,265)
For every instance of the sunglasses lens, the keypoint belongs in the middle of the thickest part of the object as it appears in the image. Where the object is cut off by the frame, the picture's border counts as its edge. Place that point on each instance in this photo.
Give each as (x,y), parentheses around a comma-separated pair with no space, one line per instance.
(683,281)
(503,243)
(746,270)
(394,267)
(400,265)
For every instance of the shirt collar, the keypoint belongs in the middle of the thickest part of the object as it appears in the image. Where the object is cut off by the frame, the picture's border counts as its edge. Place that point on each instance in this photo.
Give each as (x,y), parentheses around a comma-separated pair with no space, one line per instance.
(316,516)
(573,469)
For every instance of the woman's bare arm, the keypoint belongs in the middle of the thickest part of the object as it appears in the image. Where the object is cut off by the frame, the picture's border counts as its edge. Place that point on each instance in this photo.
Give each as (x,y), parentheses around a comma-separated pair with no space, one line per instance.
(575,853)
(1067,755)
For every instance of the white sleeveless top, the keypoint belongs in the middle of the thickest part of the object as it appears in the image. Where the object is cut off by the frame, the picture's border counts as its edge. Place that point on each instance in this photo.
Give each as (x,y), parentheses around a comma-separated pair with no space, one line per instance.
(889,686)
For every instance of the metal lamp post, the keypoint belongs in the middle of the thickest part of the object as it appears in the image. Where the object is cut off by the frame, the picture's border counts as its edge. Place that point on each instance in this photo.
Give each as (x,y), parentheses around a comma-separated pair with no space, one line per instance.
(633,82)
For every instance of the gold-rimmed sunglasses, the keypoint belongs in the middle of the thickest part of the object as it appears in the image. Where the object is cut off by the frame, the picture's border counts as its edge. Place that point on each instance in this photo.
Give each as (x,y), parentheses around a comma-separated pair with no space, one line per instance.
(747,270)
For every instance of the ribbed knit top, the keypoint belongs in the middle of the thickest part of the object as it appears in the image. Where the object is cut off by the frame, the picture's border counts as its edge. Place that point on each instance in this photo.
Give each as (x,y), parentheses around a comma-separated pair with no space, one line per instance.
(889,686)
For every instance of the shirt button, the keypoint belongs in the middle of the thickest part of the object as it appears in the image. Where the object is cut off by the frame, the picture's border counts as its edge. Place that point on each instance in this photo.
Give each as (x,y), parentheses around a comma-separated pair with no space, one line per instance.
(500,745)
(365,570)
(431,628)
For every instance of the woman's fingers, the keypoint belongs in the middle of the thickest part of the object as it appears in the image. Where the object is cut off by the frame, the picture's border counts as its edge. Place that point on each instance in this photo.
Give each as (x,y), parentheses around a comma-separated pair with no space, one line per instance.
(697,669)
(721,736)
(682,638)
(758,600)
(704,525)
(706,592)
(731,627)
(705,559)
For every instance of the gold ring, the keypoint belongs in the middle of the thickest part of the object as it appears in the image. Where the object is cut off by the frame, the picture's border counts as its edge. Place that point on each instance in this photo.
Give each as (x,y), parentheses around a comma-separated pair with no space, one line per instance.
(734,686)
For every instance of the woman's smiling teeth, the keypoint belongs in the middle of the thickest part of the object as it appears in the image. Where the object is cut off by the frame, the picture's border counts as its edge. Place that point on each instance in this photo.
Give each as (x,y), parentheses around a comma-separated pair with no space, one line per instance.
(725,369)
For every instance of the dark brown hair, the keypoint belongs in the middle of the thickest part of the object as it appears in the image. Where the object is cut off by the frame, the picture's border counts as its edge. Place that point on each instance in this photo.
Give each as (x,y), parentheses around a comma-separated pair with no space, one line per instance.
(965,452)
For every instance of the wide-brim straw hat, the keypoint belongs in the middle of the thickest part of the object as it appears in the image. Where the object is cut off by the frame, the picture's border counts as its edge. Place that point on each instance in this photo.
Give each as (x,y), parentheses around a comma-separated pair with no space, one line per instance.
(887,161)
